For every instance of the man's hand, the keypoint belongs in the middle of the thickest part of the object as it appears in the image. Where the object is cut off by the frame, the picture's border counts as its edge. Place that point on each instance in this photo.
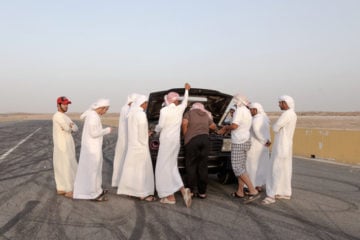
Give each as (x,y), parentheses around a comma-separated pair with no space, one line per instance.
(222,131)
(187,86)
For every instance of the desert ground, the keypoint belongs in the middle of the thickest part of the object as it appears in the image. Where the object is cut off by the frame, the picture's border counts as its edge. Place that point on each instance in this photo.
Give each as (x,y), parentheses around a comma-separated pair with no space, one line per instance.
(321,120)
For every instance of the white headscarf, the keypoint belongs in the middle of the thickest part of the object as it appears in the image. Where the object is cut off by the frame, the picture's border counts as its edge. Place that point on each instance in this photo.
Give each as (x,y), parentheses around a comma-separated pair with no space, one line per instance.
(201,107)
(289,101)
(140,99)
(131,98)
(102,102)
(240,100)
(259,108)
(171,97)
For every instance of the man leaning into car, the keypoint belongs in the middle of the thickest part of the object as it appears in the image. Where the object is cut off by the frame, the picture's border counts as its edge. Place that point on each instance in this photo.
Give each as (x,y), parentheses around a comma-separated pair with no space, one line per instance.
(195,127)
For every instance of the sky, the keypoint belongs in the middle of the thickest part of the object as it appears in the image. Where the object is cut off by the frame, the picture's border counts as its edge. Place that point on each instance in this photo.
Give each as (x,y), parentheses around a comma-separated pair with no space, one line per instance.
(86,50)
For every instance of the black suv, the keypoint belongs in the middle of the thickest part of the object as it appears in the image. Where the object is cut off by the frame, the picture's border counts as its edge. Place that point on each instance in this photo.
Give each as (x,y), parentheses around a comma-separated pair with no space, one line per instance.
(220,146)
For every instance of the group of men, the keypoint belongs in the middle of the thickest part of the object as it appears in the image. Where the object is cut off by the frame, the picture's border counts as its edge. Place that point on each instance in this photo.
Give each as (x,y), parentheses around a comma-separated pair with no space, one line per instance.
(250,156)
(83,180)
(133,173)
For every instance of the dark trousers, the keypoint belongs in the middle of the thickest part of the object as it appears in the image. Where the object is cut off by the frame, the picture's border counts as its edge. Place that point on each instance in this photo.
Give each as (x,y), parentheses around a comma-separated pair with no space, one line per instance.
(196,157)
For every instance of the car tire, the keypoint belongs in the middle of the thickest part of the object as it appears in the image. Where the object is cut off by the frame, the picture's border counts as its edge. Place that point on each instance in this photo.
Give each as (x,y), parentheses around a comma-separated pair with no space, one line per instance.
(226,174)
(227,177)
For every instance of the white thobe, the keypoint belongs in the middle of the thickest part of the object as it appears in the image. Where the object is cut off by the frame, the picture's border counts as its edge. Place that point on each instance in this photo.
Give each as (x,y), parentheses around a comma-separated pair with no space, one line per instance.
(167,176)
(121,146)
(64,156)
(89,174)
(137,178)
(257,163)
(279,182)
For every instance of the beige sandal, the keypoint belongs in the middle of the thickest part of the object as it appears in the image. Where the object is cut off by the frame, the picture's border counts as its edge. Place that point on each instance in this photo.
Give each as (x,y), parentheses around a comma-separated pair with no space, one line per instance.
(187,197)
(149,198)
(68,195)
(283,197)
(167,201)
(268,200)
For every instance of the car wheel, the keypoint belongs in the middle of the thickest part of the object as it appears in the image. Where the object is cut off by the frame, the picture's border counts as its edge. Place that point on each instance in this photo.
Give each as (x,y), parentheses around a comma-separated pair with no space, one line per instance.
(226,174)
(227,177)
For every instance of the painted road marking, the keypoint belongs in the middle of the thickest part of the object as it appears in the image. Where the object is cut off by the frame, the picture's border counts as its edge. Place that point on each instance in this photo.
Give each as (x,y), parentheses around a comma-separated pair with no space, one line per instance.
(17,145)
(329,162)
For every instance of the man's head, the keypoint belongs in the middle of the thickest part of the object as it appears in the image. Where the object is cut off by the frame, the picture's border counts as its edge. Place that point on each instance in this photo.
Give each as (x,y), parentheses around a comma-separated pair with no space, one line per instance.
(172,97)
(240,100)
(62,104)
(256,108)
(101,106)
(232,110)
(141,101)
(201,107)
(286,102)
(131,98)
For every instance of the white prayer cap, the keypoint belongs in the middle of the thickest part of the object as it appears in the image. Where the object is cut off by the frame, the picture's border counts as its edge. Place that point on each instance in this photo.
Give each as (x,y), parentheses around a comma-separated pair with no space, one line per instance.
(100,103)
(233,108)
(258,107)
(131,98)
(289,101)
(241,100)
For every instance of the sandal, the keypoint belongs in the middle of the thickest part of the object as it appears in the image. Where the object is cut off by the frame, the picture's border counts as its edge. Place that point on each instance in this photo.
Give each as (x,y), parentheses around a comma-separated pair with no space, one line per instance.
(268,200)
(68,195)
(166,200)
(235,195)
(283,197)
(60,192)
(252,197)
(100,198)
(201,196)
(187,197)
(149,198)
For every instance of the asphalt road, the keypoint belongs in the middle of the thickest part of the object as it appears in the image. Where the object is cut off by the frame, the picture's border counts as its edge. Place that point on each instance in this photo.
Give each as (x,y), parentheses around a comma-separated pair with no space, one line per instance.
(325,203)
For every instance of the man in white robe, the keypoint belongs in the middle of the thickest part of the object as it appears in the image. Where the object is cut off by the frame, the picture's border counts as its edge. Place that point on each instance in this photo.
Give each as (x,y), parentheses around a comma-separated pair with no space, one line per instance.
(121,144)
(257,163)
(167,176)
(89,174)
(64,156)
(279,182)
(137,178)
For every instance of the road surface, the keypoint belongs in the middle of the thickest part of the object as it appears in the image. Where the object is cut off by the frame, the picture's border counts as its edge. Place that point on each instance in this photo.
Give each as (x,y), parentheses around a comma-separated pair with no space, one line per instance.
(324,205)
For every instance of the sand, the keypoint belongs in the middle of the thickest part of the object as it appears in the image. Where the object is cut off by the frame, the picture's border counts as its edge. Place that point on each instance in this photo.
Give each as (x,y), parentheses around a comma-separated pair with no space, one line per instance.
(323,120)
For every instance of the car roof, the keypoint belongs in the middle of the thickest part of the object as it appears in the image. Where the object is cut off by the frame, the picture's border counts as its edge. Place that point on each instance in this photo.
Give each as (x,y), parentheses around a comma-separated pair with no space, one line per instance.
(214,101)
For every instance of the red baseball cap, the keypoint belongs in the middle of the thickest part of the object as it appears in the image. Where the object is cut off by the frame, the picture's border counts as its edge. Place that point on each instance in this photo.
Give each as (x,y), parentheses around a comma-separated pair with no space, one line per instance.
(63,100)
